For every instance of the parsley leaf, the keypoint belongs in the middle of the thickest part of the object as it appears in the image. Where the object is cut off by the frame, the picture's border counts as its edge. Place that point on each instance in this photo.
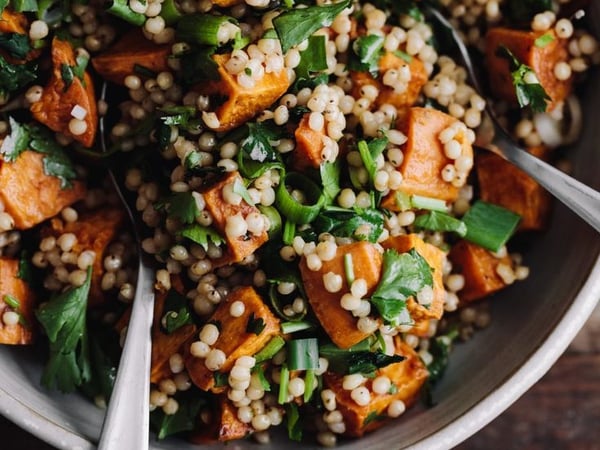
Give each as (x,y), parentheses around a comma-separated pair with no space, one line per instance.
(360,358)
(17,45)
(183,420)
(197,65)
(292,422)
(16,142)
(255,325)
(295,25)
(15,76)
(24,5)
(439,221)
(330,179)
(182,116)
(366,51)
(64,319)
(528,94)
(68,72)
(257,155)
(177,312)
(342,222)
(202,235)
(313,59)
(403,275)
(183,206)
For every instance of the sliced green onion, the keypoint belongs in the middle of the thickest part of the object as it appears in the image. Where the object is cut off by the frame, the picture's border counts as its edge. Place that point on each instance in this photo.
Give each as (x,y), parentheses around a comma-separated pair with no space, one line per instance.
(293,327)
(276,303)
(439,221)
(289,206)
(269,350)
(310,384)
(429,203)
(12,301)
(543,40)
(402,201)
(490,226)
(284,381)
(272,214)
(289,232)
(349,268)
(203,29)
(303,354)
(121,9)
(170,12)
(260,372)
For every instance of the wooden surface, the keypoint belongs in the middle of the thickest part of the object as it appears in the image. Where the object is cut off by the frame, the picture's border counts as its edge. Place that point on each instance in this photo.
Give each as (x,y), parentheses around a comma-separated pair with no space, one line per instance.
(562,411)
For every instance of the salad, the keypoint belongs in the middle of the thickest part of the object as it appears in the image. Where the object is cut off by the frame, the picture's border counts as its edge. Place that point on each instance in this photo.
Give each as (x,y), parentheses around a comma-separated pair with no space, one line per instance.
(322,222)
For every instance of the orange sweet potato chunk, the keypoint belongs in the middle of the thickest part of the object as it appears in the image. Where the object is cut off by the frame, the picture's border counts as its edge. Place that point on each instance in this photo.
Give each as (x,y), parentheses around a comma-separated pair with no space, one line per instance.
(338,323)
(401,100)
(408,376)
(29,195)
(242,103)
(224,426)
(116,63)
(478,266)
(94,231)
(424,157)
(58,100)
(502,183)
(541,59)
(309,145)
(234,338)
(13,22)
(237,248)
(435,258)
(11,284)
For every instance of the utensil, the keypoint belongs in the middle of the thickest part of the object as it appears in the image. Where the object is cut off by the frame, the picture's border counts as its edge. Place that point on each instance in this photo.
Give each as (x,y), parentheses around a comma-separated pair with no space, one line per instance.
(126,424)
(581,199)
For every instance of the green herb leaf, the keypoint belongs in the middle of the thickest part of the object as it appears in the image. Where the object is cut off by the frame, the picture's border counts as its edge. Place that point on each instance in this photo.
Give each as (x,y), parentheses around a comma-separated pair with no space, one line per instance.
(16,142)
(183,117)
(17,45)
(257,155)
(292,422)
(183,206)
(544,40)
(404,56)
(528,94)
(439,221)
(360,358)
(255,325)
(366,51)
(369,152)
(202,235)
(197,65)
(64,319)
(14,77)
(177,311)
(12,301)
(313,59)
(489,225)
(240,189)
(260,373)
(330,179)
(295,25)
(403,275)
(342,222)
(24,5)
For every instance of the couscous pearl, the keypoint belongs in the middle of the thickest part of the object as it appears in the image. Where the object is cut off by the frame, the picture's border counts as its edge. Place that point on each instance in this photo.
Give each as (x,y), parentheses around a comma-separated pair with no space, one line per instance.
(351,382)
(77,127)
(10,318)
(296,387)
(237,309)
(209,334)
(332,282)
(176,363)
(214,360)
(359,288)
(562,71)
(349,302)
(396,408)
(199,349)
(361,396)
(326,439)
(38,30)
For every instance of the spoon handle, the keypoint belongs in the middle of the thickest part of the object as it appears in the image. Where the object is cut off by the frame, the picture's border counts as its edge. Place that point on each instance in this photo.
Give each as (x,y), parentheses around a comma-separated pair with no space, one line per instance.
(126,424)
(581,199)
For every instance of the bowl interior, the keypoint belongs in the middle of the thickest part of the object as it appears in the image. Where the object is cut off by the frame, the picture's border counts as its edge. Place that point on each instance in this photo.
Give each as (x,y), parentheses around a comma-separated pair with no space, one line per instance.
(532,323)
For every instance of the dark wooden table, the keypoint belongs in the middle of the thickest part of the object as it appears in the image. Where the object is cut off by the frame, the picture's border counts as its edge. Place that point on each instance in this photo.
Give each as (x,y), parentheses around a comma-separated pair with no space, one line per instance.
(562,411)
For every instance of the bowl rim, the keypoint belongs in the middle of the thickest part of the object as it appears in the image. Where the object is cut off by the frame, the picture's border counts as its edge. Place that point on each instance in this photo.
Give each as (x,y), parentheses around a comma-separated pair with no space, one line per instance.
(475,418)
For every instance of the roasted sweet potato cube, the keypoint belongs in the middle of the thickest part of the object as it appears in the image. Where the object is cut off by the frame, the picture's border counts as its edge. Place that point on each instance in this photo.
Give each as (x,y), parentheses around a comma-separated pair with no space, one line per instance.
(478,266)
(541,58)
(340,324)
(309,145)
(502,183)
(224,425)
(408,376)
(60,96)
(237,336)
(240,247)
(402,100)
(435,258)
(14,288)
(94,231)
(424,156)
(29,195)
(13,22)
(131,50)
(243,103)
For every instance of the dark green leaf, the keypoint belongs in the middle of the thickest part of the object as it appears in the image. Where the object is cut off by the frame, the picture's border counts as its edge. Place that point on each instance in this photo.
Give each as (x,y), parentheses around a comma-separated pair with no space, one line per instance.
(64,320)
(255,325)
(184,419)
(143,71)
(13,77)
(366,53)
(292,422)
(183,117)
(24,5)
(257,155)
(183,206)
(197,65)
(17,45)
(177,311)
(373,416)
(25,271)
(221,379)
(202,235)
(16,142)
(3,4)
(345,222)
(260,373)
(295,25)
(56,161)
(313,59)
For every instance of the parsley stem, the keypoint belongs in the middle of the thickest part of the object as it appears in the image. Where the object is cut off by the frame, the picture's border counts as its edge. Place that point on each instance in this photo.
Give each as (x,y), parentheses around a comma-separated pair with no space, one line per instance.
(269,350)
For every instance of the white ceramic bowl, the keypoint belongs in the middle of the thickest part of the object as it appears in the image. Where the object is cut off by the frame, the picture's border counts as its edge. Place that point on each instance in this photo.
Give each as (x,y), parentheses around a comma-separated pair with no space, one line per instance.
(533,323)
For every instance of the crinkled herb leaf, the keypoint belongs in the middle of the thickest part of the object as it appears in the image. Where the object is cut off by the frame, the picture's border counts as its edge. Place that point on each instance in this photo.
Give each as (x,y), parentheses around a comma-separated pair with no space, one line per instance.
(366,51)
(330,179)
(403,275)
(293,26)
(16,142)
(528,94)
(257,155)
(182,116)
(64,320)
(13,77)
(184,419)
(202,235)
(544,40)
(313,59)
(176,311)
(293,422)
(198,65)
(345,223)
(17,45)
(255,325)
(181,205)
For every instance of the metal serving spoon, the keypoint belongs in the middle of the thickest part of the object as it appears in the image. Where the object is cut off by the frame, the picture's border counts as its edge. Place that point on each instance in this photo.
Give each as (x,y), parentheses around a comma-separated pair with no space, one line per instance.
(126,424)
(581,199)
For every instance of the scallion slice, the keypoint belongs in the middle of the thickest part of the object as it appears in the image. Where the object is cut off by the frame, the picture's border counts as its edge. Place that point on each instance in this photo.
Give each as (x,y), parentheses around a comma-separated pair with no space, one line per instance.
(310,384)
(429,203)
(289,231)
(293,210)
(284,381)
(121,9)
(303,354)
(170,12)
(293,327)
(439,221)
(203,29)
(269,350)
(490,226)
